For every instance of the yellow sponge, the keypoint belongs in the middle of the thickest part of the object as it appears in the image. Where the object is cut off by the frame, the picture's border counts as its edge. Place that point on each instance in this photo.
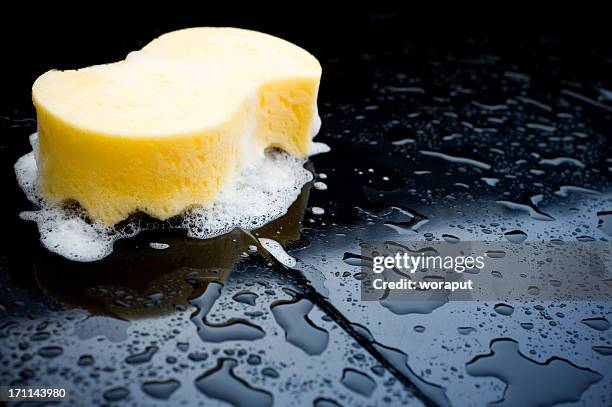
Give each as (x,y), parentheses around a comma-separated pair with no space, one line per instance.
(166,128)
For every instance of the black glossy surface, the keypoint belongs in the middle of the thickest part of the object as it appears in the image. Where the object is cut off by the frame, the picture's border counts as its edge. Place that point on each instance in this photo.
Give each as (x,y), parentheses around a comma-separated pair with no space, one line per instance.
(130,328)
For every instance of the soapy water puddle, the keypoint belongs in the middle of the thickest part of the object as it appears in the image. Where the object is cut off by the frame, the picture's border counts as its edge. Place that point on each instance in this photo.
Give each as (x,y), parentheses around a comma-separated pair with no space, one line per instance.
(275,316)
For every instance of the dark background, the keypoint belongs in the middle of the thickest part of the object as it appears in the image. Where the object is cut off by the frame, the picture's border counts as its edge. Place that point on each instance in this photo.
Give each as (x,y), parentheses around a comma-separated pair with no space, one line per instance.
(40,39)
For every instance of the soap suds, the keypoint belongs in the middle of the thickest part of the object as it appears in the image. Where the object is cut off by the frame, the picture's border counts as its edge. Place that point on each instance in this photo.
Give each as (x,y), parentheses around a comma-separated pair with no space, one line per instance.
(276,250)
(260,193)
(317,210)
(319,148)
(321,186)
(159,246)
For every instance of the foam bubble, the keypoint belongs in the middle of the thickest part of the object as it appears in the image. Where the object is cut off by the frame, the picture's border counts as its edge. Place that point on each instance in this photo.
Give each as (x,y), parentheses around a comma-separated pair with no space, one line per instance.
(159,246)
(317,211)
(278,252)
(321,186)
(259,193)
(319,148)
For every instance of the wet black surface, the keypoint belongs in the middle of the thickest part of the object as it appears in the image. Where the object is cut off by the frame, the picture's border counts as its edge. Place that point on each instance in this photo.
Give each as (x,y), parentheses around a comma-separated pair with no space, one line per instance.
(477,137)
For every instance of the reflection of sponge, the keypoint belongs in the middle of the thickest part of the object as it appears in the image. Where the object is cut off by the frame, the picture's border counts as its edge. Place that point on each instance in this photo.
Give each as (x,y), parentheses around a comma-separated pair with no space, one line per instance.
(167,127)
(140,272)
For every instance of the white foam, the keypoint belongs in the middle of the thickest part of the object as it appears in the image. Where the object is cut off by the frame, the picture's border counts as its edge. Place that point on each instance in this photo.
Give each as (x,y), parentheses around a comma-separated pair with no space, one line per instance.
(260,193)
(278,252)
(317,210)
(319,148)
(321,186)
(159,246)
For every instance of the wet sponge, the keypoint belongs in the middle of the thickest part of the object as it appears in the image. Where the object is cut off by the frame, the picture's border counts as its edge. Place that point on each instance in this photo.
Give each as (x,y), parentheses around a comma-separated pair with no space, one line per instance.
(168,127)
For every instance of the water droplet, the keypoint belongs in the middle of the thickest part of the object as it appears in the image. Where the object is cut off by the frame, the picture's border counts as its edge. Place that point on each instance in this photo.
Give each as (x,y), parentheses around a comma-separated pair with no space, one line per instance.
(86,360)
(40,336)
(457,160)
(421,302)
(232,329)
(356,260)
(323,402)
(490,181)
(466,330)
(50,351)
(270,372)
(161,389)
(142,357)
(300,331)
(245,297)
(533,290)
(156,296)
(197,356)
(603,350)
(358,382)
(403,142)
(605,221)
(565,190)
(221,383)
(561,161)
(504,309)
(451,238)
(116,394)
(530,209)
(254,360)
(599,323)
(403,221)
(495,254)
(516,236)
